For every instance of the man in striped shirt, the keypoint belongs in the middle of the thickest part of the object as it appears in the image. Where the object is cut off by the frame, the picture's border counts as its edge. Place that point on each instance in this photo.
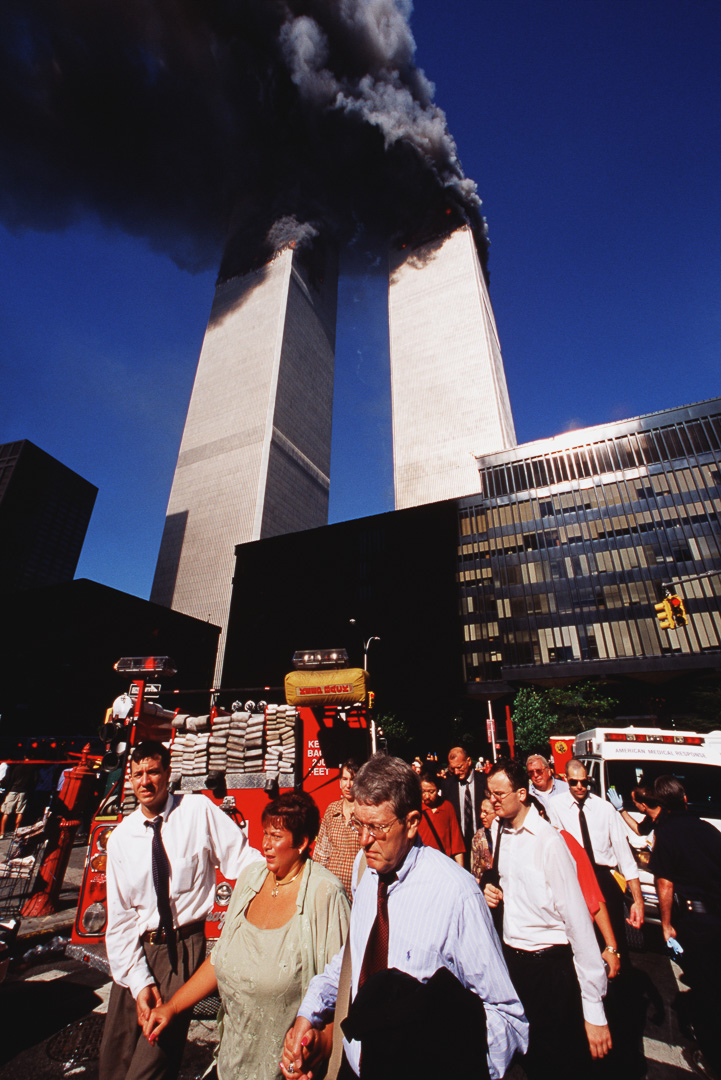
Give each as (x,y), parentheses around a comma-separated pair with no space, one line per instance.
(435,917)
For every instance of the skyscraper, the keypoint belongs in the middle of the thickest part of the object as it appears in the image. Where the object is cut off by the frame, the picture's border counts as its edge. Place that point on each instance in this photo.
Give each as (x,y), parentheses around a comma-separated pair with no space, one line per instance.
(448,386)
(45,510)
(254,459)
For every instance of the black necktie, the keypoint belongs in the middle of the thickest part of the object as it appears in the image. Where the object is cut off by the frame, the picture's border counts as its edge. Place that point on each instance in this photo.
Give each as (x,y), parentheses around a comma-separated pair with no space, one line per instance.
(376,954)
(161,884)
(468,829)
(489,839)
(586,835)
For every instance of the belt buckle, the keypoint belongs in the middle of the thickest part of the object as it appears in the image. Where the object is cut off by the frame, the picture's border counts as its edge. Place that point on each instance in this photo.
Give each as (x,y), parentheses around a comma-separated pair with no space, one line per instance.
(156,937)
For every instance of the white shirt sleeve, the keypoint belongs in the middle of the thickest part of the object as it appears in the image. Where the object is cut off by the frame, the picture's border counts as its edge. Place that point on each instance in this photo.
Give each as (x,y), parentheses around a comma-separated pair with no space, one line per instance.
(561,875)
(229,846)
(122,940)
(621,847)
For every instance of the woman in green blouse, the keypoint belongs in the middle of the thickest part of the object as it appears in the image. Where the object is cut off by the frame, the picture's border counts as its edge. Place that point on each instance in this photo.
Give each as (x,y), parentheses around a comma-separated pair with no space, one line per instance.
(287,918)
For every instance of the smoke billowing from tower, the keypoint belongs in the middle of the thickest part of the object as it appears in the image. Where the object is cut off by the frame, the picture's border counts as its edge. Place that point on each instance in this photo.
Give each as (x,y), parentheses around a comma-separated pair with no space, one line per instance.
(187,122)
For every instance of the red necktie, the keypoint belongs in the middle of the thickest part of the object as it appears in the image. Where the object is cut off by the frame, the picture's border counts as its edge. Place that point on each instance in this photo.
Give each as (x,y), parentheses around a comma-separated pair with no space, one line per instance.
(376,954)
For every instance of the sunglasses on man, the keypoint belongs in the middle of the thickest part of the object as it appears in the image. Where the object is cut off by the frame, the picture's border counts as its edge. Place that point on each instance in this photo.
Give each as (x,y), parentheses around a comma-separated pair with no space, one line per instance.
(579,783)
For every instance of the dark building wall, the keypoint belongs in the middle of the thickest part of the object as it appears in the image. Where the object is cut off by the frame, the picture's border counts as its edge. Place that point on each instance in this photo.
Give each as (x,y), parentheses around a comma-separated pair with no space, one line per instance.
(394,573)
(45,510)
(56,670)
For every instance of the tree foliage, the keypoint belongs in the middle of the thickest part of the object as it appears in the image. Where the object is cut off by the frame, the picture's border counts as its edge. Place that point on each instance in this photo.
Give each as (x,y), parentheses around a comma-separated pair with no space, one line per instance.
(564,710)
(533,720)
(396,733)
(580,707)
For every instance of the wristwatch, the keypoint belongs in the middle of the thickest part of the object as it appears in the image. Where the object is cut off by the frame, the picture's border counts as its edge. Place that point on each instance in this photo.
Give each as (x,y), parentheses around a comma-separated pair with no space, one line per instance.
(610,948)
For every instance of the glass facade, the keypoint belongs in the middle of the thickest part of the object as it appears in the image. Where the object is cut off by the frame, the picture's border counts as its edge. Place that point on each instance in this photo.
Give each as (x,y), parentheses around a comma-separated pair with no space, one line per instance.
(562,556)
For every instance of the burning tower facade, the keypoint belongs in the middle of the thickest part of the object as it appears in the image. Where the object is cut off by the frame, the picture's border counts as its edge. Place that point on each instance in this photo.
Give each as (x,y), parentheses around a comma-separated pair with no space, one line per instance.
(448,386)
(254,459)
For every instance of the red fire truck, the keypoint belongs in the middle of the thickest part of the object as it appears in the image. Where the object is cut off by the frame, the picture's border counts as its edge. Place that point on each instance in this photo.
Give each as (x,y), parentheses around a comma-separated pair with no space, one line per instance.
(238,755)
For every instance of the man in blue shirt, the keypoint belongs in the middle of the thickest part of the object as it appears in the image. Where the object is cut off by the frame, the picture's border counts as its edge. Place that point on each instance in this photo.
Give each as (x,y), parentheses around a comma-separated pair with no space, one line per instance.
(435,917)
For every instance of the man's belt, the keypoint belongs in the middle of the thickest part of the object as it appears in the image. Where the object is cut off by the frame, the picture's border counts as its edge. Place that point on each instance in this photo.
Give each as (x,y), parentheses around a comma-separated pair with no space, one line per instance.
(535,954)
(160,937)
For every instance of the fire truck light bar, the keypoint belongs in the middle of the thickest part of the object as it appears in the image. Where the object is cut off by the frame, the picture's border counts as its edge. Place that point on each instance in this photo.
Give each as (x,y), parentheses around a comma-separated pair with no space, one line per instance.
(320,658)
(146,665)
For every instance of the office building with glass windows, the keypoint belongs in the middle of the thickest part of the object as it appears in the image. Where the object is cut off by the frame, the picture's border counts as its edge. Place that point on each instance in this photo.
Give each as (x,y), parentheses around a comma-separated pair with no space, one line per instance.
(566,549)
(548,575)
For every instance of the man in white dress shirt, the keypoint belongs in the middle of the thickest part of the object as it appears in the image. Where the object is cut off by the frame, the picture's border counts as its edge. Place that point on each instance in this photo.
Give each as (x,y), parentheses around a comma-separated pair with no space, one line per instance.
(599,827)
(549,944)
(434,916)
(161,880)
(544,785)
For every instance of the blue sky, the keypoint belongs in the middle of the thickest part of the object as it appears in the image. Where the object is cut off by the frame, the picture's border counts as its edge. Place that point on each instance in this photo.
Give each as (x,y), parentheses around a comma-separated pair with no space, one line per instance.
(592,131)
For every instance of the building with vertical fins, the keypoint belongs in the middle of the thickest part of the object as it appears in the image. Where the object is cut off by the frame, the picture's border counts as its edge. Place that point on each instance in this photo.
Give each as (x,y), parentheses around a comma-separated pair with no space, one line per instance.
(254,459)
(448,387)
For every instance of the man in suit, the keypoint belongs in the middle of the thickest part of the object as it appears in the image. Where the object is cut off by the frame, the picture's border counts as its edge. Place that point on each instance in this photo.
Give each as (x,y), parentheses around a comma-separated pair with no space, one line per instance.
(465,789)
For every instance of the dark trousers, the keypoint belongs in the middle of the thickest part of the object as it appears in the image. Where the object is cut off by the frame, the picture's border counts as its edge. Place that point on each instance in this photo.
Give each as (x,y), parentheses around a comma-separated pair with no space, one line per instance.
(125,1054)
(700,936)
(548,989)
(624,1004)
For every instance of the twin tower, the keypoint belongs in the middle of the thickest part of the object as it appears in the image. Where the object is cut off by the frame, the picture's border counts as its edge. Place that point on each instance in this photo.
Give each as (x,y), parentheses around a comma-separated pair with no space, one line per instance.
(254,459)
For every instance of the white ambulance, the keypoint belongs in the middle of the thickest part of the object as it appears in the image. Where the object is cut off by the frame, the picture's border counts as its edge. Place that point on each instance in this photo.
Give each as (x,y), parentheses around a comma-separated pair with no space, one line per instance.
(626,758)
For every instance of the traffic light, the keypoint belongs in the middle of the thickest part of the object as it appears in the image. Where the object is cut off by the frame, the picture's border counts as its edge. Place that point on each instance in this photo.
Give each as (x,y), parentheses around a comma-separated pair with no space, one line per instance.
(371,699)
(664,614)
(679,610)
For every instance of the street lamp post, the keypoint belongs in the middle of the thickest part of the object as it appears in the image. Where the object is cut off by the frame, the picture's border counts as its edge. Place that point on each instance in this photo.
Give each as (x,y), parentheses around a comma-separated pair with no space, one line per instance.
(366,646)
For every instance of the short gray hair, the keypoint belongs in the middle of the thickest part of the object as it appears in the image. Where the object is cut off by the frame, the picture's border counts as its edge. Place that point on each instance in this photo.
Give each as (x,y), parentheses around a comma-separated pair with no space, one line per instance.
(388,779)
(538,757)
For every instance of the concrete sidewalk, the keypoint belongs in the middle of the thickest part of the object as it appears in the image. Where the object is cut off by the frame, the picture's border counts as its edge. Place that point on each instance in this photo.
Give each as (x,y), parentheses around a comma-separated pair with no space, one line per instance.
(59,924)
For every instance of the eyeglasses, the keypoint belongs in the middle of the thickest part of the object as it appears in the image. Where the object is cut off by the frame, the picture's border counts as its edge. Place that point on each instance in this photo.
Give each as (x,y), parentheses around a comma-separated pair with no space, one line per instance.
(578,783)
(538,772)
(498,796)
(376,832)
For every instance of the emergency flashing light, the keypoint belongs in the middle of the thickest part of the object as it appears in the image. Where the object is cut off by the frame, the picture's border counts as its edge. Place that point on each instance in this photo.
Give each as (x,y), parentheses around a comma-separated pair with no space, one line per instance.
(638,737)
(146,665)
(319,658)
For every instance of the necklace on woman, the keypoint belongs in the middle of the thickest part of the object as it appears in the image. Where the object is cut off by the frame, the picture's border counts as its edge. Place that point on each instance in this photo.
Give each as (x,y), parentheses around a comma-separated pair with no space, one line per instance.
(280,884)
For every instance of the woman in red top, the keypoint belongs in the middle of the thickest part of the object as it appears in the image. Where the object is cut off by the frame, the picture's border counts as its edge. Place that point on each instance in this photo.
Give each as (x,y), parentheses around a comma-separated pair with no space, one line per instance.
(439,826)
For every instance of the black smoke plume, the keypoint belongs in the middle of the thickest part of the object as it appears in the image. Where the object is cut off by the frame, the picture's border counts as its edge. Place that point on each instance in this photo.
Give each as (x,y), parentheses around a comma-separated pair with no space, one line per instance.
(236,125)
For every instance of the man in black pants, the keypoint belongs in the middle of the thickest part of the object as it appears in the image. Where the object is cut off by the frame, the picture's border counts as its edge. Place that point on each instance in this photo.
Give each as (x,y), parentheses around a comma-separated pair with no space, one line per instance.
(686,862)
(548,940)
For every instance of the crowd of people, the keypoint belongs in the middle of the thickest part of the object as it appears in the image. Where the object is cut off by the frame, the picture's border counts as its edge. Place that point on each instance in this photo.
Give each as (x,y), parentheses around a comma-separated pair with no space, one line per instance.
(486,902)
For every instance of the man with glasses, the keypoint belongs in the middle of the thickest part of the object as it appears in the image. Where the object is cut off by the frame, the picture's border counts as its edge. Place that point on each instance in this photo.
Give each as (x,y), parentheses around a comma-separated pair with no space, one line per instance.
(597,826)
(465,789)
(544,785)
(548,938)
(416,911)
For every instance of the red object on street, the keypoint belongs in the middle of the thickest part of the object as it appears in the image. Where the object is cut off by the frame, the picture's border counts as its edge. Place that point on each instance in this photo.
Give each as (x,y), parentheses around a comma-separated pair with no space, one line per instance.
(509,733)
(73,797)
